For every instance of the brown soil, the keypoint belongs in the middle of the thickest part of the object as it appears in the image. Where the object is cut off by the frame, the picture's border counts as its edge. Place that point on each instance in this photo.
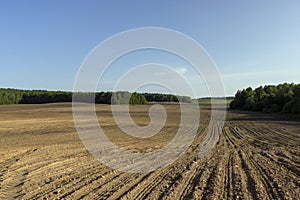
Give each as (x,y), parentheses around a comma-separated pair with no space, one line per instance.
(42,157)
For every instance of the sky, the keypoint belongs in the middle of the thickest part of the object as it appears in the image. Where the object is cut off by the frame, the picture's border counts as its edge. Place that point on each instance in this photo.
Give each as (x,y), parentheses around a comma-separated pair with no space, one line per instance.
(252,43)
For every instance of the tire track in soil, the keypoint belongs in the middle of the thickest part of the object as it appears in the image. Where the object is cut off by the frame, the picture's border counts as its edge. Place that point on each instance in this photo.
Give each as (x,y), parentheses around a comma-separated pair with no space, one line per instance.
(78,182)
(50,173)
(52,186)
(249,166)
(229,178)
(240,172)
(186,169)
(287,156)
(251,180)
(187,185)
(198,178)
(164,182)
(12,180)
(108,189)
(266,169)
(53,174)
(288,178)
(92,181)
(233,178)
(123,192)
(238,179)
(170,181)
(272,189)
(288,165)
(215,182)
(147,186)
(187,179)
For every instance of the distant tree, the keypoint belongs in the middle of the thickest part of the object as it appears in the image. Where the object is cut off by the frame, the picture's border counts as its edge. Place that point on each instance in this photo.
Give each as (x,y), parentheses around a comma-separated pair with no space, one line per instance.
(275,108)
(283,98)
(15,96)
(287,107)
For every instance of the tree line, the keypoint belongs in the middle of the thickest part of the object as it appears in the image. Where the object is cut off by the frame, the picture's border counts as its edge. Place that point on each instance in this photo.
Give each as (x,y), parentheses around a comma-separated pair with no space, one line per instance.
(158,97)
(16,96)
(284,98)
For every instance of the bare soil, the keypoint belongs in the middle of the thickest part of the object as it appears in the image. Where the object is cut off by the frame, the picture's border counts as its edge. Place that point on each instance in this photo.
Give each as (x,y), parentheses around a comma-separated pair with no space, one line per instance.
(42,157)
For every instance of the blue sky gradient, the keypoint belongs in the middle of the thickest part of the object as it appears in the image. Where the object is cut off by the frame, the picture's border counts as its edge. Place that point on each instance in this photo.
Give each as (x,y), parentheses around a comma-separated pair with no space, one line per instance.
(43,43)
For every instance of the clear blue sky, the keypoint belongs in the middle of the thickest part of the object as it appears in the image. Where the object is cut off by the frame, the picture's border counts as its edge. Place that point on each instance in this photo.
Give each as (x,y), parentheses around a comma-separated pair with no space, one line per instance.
(43,43)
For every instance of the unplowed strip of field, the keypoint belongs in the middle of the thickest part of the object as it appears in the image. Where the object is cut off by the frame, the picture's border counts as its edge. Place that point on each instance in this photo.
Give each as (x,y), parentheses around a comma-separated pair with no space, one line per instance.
(257,156)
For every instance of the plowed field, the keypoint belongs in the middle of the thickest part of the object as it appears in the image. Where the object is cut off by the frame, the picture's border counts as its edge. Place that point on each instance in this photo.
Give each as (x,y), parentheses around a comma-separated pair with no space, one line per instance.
(41,157)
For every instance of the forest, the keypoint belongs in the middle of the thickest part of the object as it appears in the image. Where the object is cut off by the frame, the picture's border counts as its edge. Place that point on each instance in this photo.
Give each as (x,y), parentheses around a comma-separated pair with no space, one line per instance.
(17,96)
(158,97)
(282,98)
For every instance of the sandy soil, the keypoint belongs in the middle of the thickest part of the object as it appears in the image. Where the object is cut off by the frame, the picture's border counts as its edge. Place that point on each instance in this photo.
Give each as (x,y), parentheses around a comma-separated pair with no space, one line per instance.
(42,157)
